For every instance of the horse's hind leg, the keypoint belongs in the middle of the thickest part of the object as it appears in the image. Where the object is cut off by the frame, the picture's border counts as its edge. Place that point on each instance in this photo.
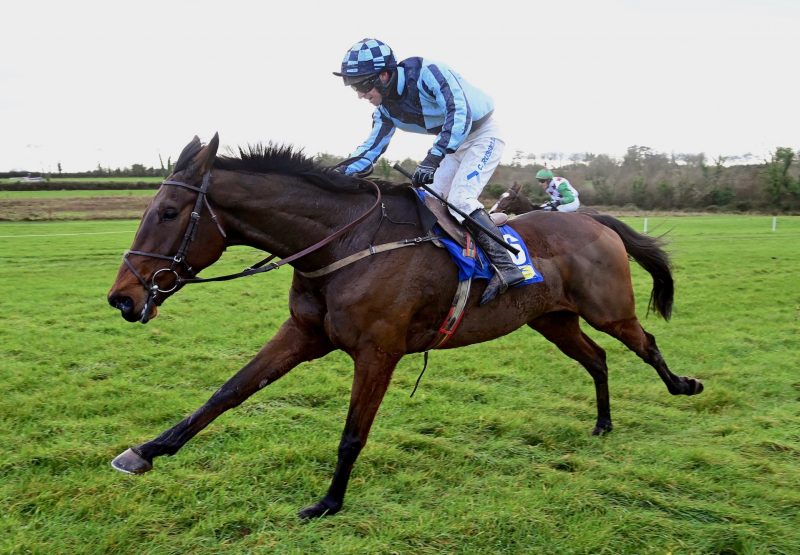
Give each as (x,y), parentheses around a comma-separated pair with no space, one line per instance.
(631,333)
(563,329)
(373,372)
(292,345)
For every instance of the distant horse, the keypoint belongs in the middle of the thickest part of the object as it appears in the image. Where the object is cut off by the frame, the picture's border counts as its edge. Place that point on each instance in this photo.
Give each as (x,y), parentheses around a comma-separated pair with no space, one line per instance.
(513,201)
(351,292)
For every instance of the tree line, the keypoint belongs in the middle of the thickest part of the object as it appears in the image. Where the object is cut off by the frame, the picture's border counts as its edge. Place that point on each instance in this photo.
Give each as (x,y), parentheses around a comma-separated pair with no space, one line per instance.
(651,180)
(643,179)
(136,170)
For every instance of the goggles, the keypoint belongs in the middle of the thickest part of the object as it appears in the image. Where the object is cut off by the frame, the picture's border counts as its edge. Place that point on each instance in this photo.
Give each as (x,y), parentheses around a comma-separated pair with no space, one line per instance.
(366,85)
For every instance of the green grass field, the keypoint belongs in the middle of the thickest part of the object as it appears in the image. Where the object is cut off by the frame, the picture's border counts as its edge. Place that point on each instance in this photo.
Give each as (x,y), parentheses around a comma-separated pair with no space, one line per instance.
(492,454)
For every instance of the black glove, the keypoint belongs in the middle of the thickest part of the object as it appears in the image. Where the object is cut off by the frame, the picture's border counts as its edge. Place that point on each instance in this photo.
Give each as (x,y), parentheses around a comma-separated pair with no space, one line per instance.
(338,169)
(554,205)
(423,175)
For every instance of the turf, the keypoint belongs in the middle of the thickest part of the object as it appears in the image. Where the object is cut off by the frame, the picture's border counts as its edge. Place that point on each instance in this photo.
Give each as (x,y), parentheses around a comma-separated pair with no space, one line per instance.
(492,454)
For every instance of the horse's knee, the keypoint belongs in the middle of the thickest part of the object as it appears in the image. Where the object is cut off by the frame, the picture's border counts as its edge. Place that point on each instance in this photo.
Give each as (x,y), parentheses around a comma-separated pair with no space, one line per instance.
(230,395)
(599,374)
(350,447)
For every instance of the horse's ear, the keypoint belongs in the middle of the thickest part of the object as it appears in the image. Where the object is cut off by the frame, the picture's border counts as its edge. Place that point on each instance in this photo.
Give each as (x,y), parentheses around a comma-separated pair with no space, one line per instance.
(188,154)
(516,187)
(197,159)
(205,158)
(202,157)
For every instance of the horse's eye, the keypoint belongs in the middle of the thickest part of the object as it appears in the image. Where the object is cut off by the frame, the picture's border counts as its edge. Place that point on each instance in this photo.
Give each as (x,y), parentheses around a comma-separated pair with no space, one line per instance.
(169,214)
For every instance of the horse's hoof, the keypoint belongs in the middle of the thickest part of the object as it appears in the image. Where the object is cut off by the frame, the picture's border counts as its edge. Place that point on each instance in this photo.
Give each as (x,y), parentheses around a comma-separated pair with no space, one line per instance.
(323,508)
(130,462)
(602,428)
(696,386)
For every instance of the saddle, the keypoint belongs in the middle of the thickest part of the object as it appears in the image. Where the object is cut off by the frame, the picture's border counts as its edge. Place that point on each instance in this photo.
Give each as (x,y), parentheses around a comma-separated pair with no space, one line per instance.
(432,211)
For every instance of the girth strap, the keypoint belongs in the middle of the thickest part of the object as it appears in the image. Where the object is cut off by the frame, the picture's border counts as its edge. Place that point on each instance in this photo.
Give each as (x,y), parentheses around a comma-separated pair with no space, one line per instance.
(450,324)
(454,316)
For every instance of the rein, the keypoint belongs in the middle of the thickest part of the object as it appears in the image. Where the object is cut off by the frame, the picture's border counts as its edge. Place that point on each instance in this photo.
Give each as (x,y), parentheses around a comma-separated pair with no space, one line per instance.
(153,288)
(260,267)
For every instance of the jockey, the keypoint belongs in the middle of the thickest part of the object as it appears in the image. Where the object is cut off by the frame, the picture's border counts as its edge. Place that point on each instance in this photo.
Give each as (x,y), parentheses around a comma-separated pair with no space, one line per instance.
(563,196)
(423,96)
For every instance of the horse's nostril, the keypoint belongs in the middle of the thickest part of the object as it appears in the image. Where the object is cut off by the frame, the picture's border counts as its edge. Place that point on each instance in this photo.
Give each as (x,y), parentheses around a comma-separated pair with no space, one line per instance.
(123,304)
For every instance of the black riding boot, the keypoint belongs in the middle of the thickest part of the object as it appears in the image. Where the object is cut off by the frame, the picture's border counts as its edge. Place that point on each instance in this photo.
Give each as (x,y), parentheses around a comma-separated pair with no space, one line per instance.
(506,272)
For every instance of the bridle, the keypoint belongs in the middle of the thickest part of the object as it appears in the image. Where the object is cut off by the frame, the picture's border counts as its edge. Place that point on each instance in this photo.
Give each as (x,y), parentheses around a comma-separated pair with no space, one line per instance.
(179,258)
(509,196)
(512,195)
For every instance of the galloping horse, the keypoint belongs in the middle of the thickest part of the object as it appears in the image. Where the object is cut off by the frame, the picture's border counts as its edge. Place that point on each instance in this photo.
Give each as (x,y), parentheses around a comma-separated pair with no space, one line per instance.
(513,201)
(375,308)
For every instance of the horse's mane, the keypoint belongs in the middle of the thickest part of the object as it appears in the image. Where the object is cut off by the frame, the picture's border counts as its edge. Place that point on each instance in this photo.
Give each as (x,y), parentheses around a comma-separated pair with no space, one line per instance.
(285,159)
(269,158)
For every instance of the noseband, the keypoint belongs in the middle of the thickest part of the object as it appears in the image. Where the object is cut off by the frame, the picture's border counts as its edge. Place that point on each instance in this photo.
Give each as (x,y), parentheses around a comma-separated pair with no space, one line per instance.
(179,258)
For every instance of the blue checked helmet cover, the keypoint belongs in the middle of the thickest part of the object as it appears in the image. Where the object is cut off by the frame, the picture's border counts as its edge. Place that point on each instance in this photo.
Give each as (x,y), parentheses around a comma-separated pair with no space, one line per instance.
(364,58)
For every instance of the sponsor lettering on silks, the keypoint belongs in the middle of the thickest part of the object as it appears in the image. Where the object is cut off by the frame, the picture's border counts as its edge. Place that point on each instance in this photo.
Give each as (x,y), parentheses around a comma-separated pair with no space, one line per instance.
(486,157)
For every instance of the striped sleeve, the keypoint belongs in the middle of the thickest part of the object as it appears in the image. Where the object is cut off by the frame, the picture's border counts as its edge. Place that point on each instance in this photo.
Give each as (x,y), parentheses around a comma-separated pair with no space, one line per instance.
(449,94)
(376,144)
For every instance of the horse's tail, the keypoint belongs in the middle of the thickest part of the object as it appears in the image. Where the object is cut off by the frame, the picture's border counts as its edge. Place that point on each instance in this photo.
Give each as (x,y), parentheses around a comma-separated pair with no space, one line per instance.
(648,253)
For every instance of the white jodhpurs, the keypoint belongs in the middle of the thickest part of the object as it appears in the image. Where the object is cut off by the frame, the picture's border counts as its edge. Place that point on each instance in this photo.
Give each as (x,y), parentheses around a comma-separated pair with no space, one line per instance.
(569,207)
(463,174)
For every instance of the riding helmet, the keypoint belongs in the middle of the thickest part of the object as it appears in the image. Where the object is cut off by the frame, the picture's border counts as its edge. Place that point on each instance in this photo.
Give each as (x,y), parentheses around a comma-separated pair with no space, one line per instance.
(366,57)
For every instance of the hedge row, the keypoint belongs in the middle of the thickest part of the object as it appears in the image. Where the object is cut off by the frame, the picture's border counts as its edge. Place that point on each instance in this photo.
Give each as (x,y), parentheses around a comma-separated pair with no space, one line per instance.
(77,186)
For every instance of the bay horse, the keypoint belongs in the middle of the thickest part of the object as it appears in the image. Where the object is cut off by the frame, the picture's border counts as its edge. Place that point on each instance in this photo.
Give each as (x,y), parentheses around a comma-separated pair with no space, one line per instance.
(378,309)
(513,201)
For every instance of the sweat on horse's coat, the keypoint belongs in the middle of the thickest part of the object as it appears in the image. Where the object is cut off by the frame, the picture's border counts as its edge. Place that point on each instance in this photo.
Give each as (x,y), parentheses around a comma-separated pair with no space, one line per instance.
(385,306)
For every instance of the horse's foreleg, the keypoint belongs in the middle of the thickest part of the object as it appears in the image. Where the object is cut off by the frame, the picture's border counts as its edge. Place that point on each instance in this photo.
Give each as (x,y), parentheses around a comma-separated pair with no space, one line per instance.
(292,345)
(373,372)
(563,329)
(631,333)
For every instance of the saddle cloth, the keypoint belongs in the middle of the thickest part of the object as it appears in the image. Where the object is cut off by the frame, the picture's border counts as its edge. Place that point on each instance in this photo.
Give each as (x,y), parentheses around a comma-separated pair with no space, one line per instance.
(469,258)
(475,264)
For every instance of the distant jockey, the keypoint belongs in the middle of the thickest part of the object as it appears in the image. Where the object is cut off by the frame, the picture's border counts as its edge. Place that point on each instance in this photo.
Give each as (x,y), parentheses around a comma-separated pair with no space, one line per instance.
(563,196)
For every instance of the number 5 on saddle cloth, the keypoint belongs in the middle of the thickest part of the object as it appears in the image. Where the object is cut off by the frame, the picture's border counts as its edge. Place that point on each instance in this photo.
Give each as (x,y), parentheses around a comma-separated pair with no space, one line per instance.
(470,259)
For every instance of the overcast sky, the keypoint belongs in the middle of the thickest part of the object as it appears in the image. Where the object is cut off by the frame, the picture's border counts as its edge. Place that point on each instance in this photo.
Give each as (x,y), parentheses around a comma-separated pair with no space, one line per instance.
(117,83)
